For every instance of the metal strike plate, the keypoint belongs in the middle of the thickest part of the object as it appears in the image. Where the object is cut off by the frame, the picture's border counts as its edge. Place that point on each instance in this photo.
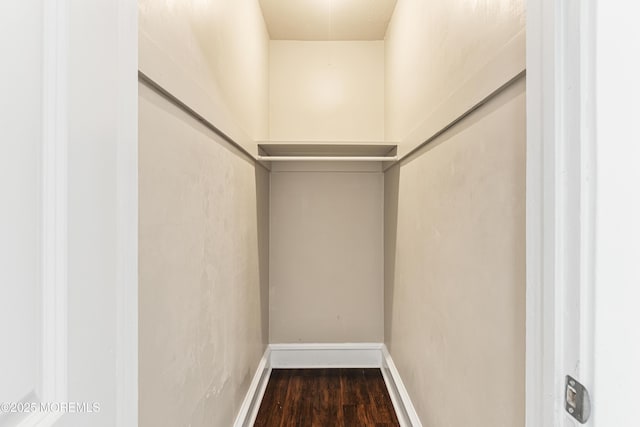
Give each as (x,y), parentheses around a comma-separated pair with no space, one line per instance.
(577,402)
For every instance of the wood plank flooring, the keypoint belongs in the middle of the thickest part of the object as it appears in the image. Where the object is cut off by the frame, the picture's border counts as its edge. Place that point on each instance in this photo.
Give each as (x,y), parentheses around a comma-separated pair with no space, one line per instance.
(326,398)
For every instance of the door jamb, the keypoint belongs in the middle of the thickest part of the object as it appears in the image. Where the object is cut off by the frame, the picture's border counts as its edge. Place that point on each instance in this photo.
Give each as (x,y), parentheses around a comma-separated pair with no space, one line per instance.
(560,194)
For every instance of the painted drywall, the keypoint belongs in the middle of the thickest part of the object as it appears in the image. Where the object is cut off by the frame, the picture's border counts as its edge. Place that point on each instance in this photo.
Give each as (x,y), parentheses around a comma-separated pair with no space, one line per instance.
(326,91)
(455,269)
(213,55)
(432,47)
(326,254)
(21,189)
(617,208)
(203,288)
(454,211)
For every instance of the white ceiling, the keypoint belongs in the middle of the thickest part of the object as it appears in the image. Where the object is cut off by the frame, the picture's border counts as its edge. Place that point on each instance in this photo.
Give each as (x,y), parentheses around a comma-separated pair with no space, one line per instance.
(327,19)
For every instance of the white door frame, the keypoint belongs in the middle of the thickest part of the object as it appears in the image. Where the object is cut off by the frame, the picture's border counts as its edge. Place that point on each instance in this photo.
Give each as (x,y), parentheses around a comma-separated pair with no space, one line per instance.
(560,52)
(54,211)
(551,245)
(560,204)
(127,217)
(57,85)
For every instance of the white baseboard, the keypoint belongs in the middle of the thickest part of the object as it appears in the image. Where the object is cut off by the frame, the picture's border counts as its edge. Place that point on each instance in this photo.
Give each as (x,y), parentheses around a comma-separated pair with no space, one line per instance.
(356,355)
(251,404)
(300,356)
(405,411)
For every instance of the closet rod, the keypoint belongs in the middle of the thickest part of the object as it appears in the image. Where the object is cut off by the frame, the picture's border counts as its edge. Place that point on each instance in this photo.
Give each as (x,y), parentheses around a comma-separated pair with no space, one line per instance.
(145,79)
(328,158)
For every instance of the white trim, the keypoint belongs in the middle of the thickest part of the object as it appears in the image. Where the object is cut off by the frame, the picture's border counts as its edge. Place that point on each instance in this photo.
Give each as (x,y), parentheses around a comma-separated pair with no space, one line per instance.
(40,419)
(252,400)
(537,114)
(405,411)
(544,350)
(127,217)
(352,355)
(560,208)
(54,253)
(54,374)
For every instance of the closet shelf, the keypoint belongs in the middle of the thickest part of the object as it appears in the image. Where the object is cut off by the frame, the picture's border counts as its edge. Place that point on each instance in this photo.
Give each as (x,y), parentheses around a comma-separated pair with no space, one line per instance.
(327,158)
(332,152)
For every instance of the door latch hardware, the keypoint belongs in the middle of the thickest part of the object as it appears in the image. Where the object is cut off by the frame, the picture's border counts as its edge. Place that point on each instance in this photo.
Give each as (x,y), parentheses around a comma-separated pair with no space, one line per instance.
(577,402)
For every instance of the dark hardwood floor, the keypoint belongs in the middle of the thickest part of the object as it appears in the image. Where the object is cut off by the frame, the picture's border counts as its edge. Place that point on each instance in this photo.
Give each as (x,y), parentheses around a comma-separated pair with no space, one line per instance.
(326,398)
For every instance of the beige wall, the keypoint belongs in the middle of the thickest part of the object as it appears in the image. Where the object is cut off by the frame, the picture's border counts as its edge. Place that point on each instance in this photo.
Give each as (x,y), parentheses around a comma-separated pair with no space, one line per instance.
(454,211)
(220,49)
(433,46)
(203,211)
(203,270)
(455,269)
(326,91)
(326,273)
